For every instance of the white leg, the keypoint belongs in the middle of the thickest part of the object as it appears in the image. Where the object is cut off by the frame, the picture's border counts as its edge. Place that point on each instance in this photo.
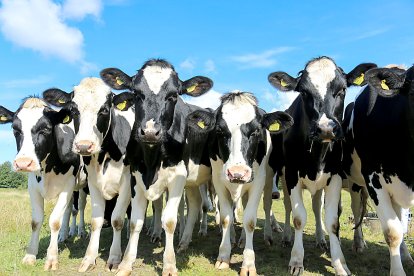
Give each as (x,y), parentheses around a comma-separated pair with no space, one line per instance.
(287,230)
(139,207)
(193,209)
(37,204)
(405,254)
(55,221)
(82,204)
(64,231)
(317,210)
(332,201)
(98,209)
(299,222)
(169,219)
(358,244)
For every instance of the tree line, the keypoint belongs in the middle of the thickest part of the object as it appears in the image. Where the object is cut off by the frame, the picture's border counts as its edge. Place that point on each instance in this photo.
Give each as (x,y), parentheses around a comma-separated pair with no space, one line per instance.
(10,178)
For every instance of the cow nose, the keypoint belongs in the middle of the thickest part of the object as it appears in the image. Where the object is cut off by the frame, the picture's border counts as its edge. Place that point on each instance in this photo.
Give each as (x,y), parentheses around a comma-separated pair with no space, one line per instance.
(150,135)
(24,164)
(84,147)
(239,174)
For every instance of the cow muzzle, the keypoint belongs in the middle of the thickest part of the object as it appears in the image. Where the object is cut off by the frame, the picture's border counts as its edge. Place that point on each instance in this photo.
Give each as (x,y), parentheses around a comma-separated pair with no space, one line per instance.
(25,164)
(150,135)
(84,147)
(239,174)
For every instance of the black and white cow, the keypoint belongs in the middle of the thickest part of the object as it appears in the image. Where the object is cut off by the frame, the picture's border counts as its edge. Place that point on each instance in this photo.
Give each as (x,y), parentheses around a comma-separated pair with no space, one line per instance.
(103,123)
(380,151)
(159,152)
(43,139)
(240,146)
(312,153)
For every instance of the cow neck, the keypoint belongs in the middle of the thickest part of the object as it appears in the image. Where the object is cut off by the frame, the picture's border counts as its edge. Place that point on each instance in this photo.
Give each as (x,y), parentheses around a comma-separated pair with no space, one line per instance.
(152,155)
(109,125)
(319,151)
(52,162)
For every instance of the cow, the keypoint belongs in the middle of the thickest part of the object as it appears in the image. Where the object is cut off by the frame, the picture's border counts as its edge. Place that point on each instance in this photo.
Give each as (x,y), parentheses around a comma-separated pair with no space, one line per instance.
(240,145)
(43,139)
(311,149)
(103,124)
(162,154)
(379,151)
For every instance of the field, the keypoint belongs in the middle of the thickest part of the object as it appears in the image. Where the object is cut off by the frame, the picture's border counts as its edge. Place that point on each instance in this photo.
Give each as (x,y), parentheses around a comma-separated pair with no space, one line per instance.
(199,259)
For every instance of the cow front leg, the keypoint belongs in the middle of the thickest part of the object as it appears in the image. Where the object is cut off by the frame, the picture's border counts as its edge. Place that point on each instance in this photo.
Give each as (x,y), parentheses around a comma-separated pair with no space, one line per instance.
(358,244)
(55,221)
(405,254)
(332,201)
(193,210)
(317,211)
(65,230)
(82,204)
(299,222)
(37,204)
(267,207)
(206,206)
(155,230)
(287,230)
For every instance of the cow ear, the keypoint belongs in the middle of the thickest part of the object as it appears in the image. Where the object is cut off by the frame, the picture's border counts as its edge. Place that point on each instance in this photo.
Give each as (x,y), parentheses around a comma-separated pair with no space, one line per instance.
(6,116)
(116,79)
(57,97)
(201,120)
(123,101)
(196,86)
(357,75)
(385,81)
(282,81)
(277,121)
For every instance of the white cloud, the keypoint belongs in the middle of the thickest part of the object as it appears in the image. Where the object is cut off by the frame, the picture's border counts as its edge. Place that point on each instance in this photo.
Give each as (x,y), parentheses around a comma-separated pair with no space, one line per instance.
(260,60)
(78,9)
(369,34)
(210,66)
(279,100)
(24,83)
(210,99)
(188,64)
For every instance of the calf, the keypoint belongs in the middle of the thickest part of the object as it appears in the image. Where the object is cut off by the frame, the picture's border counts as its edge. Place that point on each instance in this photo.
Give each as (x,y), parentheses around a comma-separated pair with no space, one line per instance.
(43,139)
(311,151)
(103,123)
(159,149)
(380,151)
(239,150)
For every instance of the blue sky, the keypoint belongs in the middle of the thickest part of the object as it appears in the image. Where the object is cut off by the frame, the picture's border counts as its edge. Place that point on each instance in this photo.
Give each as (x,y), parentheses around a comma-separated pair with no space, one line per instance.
(50,43)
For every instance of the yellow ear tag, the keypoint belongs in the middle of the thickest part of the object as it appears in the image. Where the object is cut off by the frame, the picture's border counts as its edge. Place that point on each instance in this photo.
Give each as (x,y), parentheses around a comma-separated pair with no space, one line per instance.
(359,79)
(283,83)
(61,101)
(191,88)
(66,120)
(121,106)
(3,118)
(274,127)
(119,81)
(201,124)
(384,86)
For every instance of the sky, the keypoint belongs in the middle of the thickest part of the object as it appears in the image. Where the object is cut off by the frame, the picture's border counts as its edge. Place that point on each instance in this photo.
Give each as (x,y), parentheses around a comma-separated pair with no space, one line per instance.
(56,43)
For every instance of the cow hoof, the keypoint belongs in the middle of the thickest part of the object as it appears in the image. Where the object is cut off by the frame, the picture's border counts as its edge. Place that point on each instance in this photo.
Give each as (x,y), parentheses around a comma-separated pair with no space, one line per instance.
(296,270)
(170,271)
(222,264)
(72,234)
(268,241)
(87,265)
(358,247)
(123,272)
(62,238)
(51,265)
(29,259)
(111,267)
(156,238)
(276,228)
(251,271)
(82,234)
(182,247)
(342,271)
(322,244)
(202,233)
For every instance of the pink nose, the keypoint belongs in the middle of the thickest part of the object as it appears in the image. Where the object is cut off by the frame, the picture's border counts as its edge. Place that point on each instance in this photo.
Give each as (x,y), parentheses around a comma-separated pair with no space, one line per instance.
(84,147)
(239,174)
(24,164)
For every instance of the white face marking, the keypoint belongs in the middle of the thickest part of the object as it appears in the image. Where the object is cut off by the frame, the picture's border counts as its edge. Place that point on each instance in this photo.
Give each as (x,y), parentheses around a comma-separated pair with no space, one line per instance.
(325,124)
(29,117)
(90,95)
(321,73)
(150,124)
(156,76)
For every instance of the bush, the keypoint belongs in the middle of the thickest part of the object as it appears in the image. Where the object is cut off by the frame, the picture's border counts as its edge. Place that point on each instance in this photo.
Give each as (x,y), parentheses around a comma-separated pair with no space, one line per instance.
(10,178)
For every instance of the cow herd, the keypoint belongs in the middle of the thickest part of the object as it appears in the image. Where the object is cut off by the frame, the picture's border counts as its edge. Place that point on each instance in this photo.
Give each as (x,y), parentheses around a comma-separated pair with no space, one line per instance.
(132,147)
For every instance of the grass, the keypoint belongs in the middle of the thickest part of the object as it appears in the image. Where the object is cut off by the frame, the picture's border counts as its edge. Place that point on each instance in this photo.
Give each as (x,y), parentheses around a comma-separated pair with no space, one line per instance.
(199,259)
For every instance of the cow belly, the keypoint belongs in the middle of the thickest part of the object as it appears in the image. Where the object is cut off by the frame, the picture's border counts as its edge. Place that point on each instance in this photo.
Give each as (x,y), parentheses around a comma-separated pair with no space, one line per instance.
(315,185)
(108,177)
(51,184)
(399,192)
(355,170)
(197,174)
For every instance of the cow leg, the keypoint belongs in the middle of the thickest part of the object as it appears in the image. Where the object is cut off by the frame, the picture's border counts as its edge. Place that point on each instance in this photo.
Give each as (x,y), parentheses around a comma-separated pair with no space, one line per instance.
(117,221)
(139,207)
(405,254)
(181,216)
(287,231)
(205,207)
(156,227)
(98,210)
(358,244)
(242,239)
(193,210)
(332,201)
(267,207)
(169,219)
(317,211)
(82,204)
(74,208)
(37,204)
(55,221)
(64,231)
(299,222)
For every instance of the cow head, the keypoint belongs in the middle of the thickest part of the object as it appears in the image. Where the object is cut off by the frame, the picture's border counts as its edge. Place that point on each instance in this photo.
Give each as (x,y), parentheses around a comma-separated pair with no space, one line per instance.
(156,87)
(33,127)
(240,133)
(322,85)
(95,111)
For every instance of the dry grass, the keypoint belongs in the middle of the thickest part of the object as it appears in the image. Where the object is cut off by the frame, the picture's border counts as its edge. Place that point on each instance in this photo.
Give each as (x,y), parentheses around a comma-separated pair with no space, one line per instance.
(199,259)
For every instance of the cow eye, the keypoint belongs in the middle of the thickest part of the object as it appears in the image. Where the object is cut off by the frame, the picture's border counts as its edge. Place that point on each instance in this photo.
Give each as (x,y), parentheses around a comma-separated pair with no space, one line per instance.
(254,133)
(172,98)
(104,111)
(340,93)
(45,131)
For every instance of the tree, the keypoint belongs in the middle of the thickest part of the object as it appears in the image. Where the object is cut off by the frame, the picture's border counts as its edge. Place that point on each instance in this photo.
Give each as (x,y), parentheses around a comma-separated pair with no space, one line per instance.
(10,178)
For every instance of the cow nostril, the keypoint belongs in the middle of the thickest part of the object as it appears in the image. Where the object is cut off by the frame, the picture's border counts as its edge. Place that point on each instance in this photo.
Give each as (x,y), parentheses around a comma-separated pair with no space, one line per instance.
(142,132)
(157,133)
